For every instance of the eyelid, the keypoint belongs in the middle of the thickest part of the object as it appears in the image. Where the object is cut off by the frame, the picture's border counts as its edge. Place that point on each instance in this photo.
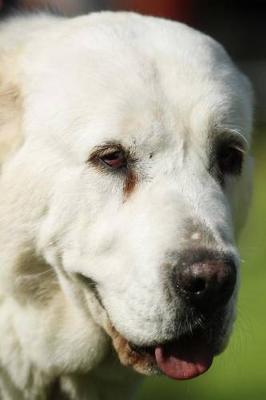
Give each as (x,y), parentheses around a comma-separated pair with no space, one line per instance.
(105,150)
(238,147)
(235,139)
(109,151)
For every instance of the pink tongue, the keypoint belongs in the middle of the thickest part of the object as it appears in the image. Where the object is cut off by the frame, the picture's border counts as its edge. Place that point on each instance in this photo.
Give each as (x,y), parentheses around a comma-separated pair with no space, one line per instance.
(184,360)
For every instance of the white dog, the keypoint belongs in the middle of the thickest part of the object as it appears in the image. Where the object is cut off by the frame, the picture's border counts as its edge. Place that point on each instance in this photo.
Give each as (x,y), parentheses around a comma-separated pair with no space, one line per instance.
(124,177)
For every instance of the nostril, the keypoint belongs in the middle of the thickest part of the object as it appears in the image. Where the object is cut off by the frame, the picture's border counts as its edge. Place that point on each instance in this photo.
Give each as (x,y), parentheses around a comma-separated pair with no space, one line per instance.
(197,286)
(207,283)
(192,282)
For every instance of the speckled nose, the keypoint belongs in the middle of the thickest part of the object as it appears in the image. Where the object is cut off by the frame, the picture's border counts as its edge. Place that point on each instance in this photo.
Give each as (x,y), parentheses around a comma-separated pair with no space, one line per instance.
(207,283)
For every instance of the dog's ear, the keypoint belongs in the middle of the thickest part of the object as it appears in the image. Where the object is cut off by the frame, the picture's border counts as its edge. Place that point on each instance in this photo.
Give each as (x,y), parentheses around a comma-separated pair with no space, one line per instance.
(10,106)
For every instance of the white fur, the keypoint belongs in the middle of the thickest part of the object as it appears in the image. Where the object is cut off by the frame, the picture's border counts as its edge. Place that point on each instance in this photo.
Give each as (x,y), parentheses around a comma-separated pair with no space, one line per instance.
(158,87)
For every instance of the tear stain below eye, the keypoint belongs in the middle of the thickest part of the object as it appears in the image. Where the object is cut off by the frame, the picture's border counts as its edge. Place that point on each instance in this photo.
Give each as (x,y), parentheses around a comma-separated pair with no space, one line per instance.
(130,183)
(128,174)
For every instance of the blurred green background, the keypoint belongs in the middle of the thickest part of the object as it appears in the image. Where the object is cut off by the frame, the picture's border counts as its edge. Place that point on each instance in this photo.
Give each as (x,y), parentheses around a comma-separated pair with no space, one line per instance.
(240,372)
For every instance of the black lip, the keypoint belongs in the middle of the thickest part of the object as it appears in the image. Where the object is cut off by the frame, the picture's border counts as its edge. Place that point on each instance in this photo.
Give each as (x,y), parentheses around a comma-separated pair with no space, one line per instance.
(143,350)
(210,335)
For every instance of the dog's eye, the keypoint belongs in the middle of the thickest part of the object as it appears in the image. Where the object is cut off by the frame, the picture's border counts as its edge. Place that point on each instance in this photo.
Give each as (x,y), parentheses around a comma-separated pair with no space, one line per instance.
(114,160)
(230,159)
(110,156)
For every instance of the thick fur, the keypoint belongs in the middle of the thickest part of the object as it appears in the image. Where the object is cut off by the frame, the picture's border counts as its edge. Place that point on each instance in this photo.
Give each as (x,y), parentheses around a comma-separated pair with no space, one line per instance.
(84,256)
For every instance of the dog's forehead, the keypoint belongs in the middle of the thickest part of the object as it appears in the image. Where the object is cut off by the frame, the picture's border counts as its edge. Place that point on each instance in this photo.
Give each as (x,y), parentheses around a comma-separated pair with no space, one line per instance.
(126,76)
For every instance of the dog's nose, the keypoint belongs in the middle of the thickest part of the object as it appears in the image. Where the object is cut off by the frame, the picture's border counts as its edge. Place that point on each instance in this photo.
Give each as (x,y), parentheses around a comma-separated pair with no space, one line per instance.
(207,284)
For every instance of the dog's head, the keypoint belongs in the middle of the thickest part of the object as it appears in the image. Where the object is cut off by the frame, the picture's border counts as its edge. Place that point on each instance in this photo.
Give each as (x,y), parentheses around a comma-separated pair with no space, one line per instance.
(133,175)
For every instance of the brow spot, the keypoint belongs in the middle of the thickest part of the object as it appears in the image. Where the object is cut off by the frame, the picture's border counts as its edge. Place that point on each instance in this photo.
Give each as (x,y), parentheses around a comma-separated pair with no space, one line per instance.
(196,236)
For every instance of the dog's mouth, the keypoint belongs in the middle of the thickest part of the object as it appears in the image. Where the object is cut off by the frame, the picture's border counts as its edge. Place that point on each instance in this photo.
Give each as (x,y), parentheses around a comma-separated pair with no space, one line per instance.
(184,358)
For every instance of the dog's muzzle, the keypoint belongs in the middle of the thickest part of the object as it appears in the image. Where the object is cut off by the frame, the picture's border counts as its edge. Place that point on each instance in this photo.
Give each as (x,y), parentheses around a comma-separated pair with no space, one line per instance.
(202,282)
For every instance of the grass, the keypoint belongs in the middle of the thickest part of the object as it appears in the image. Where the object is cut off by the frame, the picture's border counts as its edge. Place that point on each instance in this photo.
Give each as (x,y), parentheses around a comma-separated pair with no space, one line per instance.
(239,373)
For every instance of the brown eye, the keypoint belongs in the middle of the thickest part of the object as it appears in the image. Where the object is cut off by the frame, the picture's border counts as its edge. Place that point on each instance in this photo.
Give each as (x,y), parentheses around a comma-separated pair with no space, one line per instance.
(229,159)
(114,160)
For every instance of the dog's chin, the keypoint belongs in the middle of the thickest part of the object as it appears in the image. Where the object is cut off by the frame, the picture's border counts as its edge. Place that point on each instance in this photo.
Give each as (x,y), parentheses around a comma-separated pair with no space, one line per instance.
(185,357)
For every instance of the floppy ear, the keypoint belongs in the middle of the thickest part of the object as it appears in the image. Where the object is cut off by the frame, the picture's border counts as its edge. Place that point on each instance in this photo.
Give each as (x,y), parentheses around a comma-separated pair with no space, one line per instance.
(10,106)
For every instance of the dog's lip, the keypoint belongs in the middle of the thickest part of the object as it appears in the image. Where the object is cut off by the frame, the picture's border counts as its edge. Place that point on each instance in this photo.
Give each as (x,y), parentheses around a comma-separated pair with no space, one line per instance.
(182,358)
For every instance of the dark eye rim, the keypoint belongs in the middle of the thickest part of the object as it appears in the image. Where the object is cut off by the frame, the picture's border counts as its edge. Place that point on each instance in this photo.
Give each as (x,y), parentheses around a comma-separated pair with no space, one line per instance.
(110,157)
(227,158)
(230,158)
(114,160)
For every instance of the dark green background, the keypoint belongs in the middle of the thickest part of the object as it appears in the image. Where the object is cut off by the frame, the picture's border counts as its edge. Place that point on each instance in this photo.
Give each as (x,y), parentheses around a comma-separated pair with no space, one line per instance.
(240,372)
